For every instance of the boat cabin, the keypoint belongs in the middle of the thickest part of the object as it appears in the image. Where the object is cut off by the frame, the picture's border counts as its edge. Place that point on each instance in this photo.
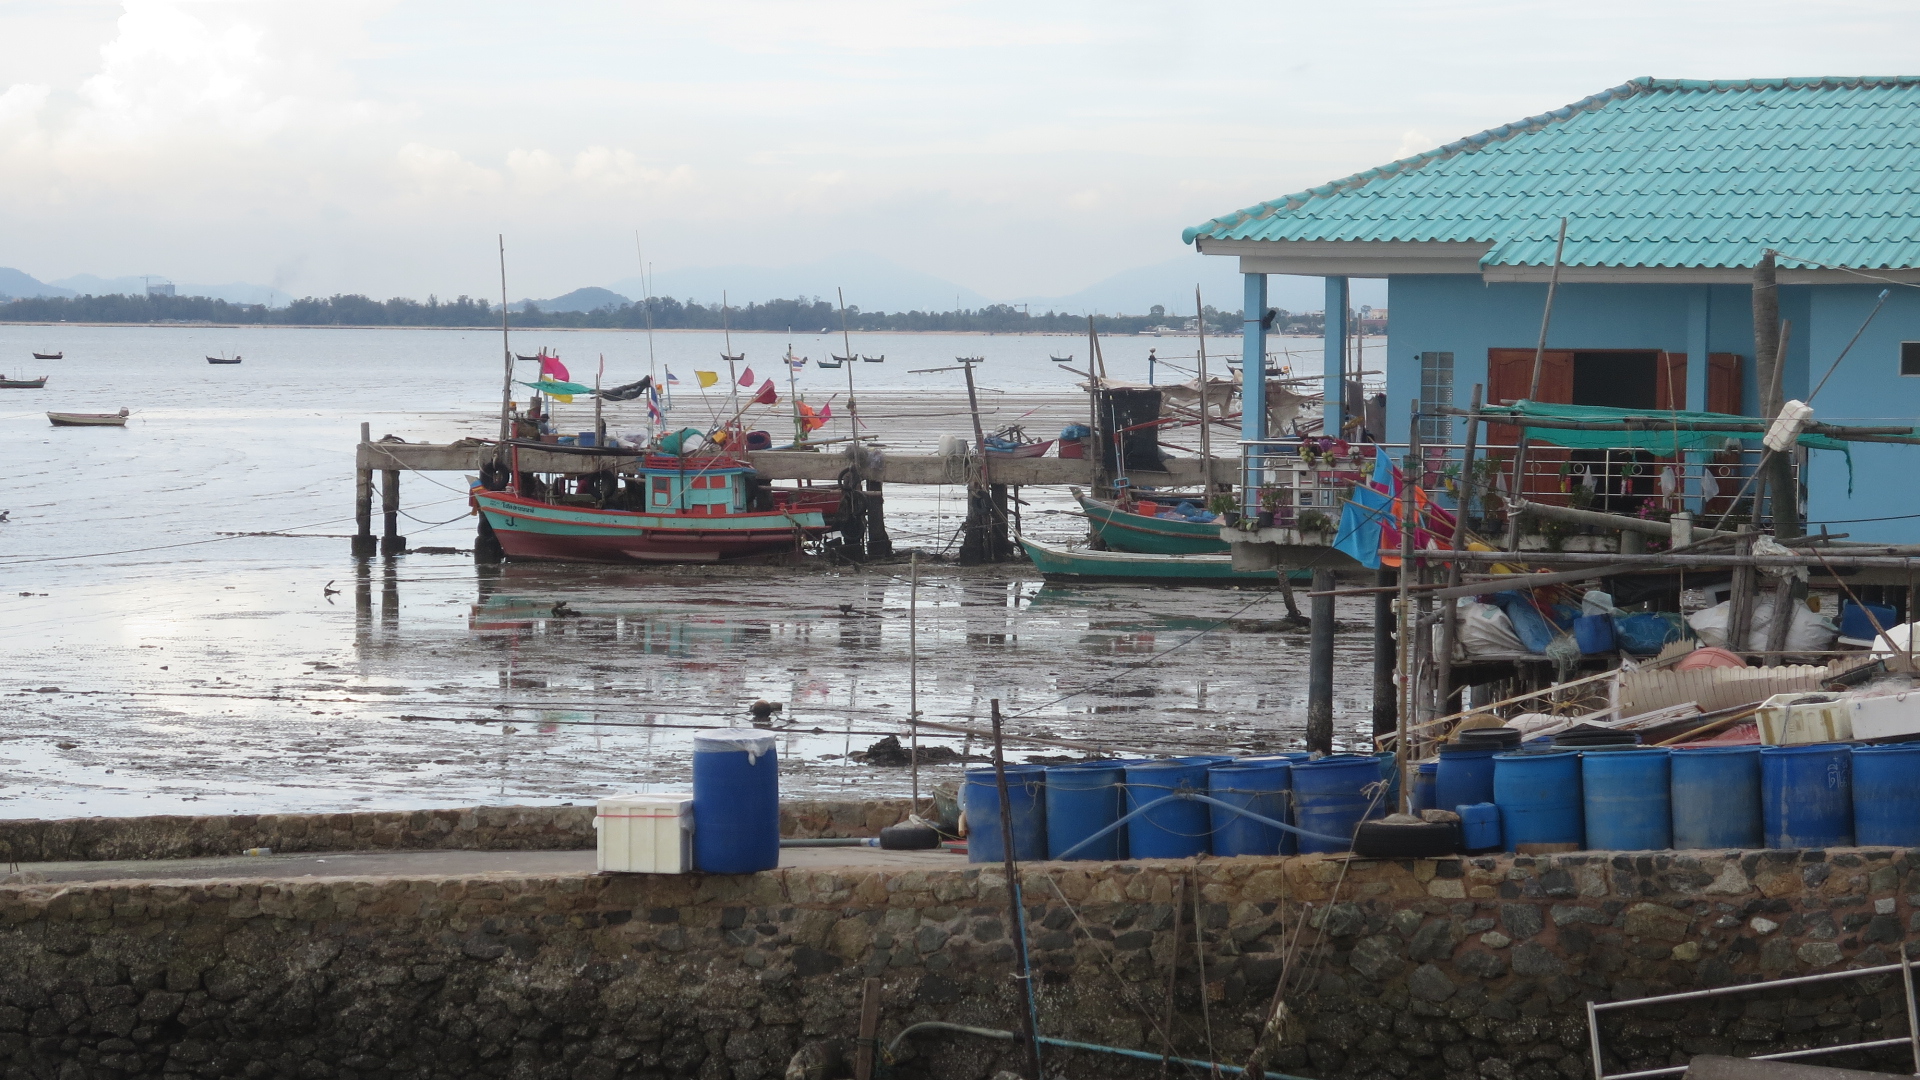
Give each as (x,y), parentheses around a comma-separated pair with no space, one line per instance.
(699,485)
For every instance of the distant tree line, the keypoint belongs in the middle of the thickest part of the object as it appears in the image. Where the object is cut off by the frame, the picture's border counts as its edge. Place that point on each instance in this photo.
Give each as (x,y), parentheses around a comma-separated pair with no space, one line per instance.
(809,314)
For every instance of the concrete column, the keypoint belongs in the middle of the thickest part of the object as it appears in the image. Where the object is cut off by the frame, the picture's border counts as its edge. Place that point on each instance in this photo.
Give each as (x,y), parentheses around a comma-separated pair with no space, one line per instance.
(364,545)
(1253,358)
(391,542)
(1333,350)
(1699,341)
(1320,664)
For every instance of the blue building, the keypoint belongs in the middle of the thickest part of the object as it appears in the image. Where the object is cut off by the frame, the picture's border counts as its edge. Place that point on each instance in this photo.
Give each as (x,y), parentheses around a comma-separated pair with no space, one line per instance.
(1671,191)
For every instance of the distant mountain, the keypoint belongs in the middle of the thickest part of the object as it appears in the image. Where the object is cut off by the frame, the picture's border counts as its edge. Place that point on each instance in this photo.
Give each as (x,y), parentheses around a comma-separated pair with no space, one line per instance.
(233,292)
(15,283)
(1170,284)
(871,283)
(591,298)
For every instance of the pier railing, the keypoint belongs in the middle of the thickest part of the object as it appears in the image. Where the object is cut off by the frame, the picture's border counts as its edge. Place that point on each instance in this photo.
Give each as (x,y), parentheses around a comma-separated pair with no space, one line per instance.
(1293,480)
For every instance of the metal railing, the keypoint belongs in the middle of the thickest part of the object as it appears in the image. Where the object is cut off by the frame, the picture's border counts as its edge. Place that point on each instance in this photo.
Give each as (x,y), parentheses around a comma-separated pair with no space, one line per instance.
(1291,477)
(1905,967)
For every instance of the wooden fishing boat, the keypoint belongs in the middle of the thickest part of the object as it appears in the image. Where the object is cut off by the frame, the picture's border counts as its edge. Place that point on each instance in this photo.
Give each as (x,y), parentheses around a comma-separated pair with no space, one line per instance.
(1067,359)
(23,384)
(88,419)
(525,359)
(701,508)
(1134,529)
(1013,441)
(835,361)
(223,359)
(1085,564)
(61,355)
(881,359)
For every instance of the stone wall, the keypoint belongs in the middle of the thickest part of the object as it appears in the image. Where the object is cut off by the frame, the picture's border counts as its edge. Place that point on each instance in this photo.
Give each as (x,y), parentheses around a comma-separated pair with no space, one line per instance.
(1453,969)
(474,828)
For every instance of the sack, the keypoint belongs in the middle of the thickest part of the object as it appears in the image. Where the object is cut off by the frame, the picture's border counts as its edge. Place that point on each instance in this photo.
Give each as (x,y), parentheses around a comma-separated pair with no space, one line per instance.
(1808,632)
(1484,630)
(1532,628)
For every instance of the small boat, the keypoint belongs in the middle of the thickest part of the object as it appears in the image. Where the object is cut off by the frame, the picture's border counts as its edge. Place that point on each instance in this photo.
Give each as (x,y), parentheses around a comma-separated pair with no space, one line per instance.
(733,359)
(836,360)
(23,384)
(702,508)
(795,362)
(1137,527)
(525,359)
(223,359)
(61,355)
(971,359)
(88,419)
(1085,564)
(1013,442)
(881,359)
(1067,359)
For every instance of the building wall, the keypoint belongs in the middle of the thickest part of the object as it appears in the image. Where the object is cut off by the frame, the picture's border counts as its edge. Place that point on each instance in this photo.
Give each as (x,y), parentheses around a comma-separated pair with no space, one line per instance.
(1466,316)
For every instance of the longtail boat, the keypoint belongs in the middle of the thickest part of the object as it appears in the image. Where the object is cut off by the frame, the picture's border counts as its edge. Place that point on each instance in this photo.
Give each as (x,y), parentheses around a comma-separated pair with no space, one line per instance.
(696,508)
(61,355)
(88,419)
(1134,529)
(23,384)
(881,359)
(1086,564)
(223,359)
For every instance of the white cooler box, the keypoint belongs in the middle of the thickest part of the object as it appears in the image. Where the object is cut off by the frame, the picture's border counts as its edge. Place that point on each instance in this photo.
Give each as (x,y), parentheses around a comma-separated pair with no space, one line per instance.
(1886,716)
(645,834)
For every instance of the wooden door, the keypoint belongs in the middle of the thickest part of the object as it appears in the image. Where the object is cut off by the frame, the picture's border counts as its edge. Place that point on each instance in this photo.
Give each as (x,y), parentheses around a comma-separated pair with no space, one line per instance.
(1509,377)
(1724,390)
(1670,381)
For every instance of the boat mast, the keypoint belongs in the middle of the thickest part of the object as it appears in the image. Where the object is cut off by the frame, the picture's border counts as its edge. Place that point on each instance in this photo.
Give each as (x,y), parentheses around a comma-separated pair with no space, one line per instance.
(1206,444)
(853,411)
(653,373)
(733,378)
(506,344)
(793,392)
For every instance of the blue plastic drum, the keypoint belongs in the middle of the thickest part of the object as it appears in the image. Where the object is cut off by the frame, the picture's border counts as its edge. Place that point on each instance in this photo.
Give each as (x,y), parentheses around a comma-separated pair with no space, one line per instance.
(1261,787)
(1806,795)
(1026,787)
(1426,778)
(1464,776)
(1886,795)
(1333,795)
(736,801)
(1539,798)
(1627,803)
(1082,799)
(1716,797)
(1172,830)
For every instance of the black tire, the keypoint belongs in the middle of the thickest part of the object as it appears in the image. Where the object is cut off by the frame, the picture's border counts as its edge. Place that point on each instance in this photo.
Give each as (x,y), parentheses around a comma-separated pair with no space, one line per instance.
(1426,840)
(908,838)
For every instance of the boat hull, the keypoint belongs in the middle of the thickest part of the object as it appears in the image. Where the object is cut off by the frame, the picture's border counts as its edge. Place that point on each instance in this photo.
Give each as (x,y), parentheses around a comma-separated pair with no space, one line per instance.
(1123,530)
(528,529)
(1026,450)
(87,419)
(49,356)
(1085,565)
(23,384)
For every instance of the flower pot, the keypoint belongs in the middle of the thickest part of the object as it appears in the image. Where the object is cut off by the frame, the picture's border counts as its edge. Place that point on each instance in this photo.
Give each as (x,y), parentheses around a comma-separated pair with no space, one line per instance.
(1265,520)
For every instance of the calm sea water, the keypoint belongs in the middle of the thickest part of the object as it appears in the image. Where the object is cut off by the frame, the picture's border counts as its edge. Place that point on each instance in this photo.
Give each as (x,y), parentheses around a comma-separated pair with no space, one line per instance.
(157,661)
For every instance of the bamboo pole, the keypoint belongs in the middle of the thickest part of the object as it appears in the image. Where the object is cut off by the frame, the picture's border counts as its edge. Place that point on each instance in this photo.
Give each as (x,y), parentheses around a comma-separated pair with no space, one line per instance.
(846,342)
(1408,648)
(506,346)
(1533,385)
(1450,615)
(1206,441)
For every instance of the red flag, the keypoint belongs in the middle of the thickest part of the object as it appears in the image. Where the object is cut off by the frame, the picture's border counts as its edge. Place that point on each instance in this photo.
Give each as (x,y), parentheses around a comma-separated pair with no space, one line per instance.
(826,412)
(551,365)
(766,395)
(746,377)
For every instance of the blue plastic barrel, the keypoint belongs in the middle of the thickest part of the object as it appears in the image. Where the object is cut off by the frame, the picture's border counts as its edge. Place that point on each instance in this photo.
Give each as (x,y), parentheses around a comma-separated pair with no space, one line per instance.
(1425,778)
(1855,624)
(1026,787)
(1390,772)
(1465,776)
(1174,830)
(1886,795)
(1716,797)
(1593,633)
(1806,795)
(1082,799)
(1539,798)
(1333,795)
(736,801)
(1479,826)
(1626,800)
(1261,787)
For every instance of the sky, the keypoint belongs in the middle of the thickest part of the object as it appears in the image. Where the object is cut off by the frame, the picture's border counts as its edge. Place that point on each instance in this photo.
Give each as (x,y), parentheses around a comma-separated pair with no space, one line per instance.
(1020,149)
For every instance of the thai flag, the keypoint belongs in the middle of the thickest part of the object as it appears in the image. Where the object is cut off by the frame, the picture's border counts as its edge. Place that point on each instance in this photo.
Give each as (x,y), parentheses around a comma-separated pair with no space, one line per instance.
(653,405)
(671,377)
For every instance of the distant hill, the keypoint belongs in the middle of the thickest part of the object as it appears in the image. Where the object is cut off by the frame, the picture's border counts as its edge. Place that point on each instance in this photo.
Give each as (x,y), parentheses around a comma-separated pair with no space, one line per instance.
(16,283)
(871,282)
(591,298)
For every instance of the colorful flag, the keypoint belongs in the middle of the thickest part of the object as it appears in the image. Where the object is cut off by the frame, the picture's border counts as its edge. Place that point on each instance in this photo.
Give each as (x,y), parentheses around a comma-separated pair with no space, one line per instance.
(766,394)
(671,377)
(814,421)
(826,412)
(707,378)
(552,368)
(746,377)
(653,405)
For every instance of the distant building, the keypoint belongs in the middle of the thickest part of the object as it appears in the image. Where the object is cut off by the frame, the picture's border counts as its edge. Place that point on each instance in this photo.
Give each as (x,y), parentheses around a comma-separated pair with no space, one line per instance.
(1672,190)
(159,288)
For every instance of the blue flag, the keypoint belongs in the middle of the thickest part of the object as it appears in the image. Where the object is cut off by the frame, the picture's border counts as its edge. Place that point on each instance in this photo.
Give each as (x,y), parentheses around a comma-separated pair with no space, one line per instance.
(1359,534)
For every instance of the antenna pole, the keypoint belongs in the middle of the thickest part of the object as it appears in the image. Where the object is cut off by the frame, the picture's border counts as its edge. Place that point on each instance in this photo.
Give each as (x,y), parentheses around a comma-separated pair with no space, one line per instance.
(853,411)
(1206,443)
(506,344)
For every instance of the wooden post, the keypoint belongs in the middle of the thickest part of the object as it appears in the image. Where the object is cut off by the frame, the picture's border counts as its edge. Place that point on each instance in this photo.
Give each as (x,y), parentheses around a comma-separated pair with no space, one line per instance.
(1533,391)
(879,544)
(1386,711)
(1740,607)
(1320,664)
(1410,649)
(869,1028)
(1173,976)
(364,545)
(1450,616)
(985,539)
(1017,921)
(391,542)
(506,347)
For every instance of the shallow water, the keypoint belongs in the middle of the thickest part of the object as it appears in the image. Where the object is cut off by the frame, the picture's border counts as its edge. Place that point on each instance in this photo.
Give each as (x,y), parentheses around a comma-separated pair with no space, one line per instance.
(198,670)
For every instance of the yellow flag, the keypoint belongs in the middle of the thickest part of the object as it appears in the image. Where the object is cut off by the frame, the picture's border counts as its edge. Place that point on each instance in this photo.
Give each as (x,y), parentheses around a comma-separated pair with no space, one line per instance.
(707,378)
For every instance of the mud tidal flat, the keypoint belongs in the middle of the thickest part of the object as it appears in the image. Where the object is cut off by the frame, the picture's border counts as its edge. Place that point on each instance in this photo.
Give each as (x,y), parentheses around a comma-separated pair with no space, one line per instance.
(428,681)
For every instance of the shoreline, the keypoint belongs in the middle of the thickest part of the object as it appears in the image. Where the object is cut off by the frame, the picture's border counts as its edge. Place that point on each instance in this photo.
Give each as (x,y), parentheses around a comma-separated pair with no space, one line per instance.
(632,330)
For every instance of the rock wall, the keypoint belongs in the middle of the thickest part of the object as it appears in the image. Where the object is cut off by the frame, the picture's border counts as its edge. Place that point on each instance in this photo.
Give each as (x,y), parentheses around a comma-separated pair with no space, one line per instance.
(474,828)
(1454,969)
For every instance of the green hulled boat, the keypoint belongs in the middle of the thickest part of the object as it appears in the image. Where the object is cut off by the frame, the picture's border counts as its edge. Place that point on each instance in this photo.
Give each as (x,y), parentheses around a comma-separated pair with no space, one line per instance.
(1088,565)
(1125,530)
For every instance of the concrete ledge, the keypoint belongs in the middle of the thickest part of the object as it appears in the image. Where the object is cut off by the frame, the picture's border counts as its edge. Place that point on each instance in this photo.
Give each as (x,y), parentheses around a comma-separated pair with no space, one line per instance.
(473,828)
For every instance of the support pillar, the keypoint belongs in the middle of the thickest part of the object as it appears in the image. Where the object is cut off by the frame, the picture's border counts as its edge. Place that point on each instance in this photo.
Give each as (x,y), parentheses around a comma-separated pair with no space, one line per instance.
(1253,358)
(1320,665)
(364,545)
(1333,354)
(1386,704)
(879,544)
(391,542)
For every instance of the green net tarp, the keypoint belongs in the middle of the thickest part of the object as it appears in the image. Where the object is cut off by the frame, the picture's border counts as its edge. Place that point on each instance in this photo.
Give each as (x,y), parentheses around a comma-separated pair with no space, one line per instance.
(555,386)
(1695,431)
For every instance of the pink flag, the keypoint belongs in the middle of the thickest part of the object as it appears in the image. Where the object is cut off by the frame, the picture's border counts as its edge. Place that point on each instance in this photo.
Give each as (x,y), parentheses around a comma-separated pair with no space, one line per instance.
(551,365)
(767,395)
(826,411)
(746,377)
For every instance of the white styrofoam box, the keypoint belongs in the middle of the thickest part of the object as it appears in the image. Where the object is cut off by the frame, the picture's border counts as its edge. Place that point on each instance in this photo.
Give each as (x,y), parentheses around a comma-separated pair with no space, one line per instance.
(645,834)
(1796,719)
(1884,716)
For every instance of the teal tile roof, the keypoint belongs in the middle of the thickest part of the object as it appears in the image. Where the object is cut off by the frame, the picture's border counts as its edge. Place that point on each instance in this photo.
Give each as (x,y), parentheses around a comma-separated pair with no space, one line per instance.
(1652,173)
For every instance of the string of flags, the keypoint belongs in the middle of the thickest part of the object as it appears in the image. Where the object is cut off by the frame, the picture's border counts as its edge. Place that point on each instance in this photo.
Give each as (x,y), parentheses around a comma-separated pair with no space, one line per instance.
(557,383)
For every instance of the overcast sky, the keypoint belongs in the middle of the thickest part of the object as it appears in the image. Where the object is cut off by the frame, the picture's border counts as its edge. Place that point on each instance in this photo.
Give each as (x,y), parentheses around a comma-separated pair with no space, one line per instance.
(1017,148)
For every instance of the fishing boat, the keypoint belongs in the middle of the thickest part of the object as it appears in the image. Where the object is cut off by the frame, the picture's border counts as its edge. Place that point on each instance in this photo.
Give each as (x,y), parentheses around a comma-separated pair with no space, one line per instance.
(61,355)
(1014,442)
(224,359)
(699,508)
(971,359)
(88,419)
(525,359)
(1085,564)
(796,362)
(1137,527)
(23,384)
(1067,359)
(836,360)
(881,359)
(734,359)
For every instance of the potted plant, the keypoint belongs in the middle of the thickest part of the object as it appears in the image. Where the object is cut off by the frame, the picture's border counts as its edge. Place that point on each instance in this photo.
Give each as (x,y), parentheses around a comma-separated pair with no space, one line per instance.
(1313,526)
(1223,504)
(1269,505)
